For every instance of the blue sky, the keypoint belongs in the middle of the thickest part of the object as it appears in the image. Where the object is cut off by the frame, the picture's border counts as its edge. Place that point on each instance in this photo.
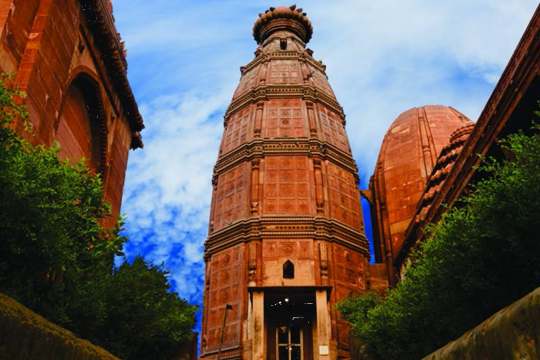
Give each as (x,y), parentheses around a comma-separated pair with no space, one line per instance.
(382,58)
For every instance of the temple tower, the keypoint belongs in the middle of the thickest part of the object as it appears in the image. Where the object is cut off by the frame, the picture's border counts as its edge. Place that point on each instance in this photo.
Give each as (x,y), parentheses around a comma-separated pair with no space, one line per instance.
(286,238)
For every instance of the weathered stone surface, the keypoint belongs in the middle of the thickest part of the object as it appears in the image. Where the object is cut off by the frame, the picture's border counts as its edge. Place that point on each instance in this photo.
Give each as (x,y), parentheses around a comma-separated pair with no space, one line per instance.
(512,333)
(26,335)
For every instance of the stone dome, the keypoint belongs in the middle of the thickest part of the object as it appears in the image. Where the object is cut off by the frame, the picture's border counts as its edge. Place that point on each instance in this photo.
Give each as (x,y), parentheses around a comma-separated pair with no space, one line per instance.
(407,156)
(283,18)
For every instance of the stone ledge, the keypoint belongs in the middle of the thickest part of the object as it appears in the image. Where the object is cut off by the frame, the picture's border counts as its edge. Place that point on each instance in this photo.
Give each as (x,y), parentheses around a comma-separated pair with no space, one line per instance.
(27,335)
(511,333)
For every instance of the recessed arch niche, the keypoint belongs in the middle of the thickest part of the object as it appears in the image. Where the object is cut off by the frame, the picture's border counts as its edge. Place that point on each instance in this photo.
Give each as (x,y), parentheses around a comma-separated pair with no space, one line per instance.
(81,130)
(288,270)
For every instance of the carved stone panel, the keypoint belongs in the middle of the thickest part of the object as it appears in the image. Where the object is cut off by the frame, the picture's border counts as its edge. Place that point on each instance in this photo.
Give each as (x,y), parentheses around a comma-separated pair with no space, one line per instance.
(284,118)
(276,252)
(287,186)
(247,82)
(349,269)
(226,283)
(320,81)
(343,196)
(285,72)
(332,128)
(238,130)
(231,200)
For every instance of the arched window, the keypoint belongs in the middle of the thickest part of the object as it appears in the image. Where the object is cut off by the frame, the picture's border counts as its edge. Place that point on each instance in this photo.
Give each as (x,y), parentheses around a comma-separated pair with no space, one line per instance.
(81,130)
(288,270)
(283,44)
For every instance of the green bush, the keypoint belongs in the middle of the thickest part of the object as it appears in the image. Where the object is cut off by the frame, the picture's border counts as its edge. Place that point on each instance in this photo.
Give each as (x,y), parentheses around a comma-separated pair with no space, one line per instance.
(481,256)
(57,258)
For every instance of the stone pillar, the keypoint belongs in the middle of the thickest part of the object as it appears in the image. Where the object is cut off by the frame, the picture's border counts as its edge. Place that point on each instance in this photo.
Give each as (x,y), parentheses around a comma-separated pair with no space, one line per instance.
(257,328)
(323,326)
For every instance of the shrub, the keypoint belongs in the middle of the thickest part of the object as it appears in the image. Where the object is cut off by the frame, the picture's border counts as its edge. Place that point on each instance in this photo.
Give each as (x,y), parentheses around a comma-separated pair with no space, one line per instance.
(481,256)
(57,258)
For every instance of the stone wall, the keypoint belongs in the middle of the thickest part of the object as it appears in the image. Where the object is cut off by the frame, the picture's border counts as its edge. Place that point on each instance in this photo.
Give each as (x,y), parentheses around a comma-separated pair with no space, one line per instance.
(26,335)
(68,58)
(512,333)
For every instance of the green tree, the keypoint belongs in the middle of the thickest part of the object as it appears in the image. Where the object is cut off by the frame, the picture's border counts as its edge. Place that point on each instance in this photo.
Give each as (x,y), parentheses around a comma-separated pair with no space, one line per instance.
(142,310)
(57,258)
(483,255)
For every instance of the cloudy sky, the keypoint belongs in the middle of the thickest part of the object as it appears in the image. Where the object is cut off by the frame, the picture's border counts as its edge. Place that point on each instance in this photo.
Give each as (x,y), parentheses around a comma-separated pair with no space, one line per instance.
(382,58)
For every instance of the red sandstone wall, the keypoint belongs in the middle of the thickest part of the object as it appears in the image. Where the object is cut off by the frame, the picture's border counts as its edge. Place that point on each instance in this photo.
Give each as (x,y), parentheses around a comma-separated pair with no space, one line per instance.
(348,277)
(46,44)
(224,272)
(287,186)
(231,197)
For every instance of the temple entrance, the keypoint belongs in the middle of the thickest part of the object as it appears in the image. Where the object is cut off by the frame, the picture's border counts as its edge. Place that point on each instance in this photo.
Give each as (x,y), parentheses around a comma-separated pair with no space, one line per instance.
(289,315)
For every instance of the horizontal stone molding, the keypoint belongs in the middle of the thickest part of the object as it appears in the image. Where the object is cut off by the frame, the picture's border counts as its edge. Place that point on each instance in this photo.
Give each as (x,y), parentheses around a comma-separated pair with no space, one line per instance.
(226,352)
(286,227)
(303,91)
(285,146)
(284,55)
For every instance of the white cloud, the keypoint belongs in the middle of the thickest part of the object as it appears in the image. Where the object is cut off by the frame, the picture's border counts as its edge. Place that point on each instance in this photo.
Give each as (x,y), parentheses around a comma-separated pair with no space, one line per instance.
(383,57)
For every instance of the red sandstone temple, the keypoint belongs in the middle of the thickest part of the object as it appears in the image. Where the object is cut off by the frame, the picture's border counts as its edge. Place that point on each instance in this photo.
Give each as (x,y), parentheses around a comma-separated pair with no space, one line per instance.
(429,156)
(286,239)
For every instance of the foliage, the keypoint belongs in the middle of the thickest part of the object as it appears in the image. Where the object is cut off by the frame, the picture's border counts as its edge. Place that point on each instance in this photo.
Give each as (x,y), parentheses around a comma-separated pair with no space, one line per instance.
(481,256)
(142,310)
(57,258)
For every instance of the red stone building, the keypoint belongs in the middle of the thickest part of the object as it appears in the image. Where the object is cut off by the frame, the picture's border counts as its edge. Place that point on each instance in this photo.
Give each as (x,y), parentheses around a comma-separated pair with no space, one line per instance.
(407,157)
(286,238)
(429,157)
(68,58)
(509,109)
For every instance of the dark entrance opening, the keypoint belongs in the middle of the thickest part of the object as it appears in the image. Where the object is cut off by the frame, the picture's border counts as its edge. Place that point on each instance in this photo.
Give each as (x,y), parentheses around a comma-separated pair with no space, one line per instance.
(289,315)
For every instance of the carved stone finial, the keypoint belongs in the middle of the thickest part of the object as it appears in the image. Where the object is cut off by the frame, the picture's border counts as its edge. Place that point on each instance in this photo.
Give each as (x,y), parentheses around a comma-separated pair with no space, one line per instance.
(283,19)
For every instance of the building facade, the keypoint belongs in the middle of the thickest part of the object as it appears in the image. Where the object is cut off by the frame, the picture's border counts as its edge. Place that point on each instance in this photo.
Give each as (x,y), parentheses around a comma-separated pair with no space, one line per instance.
(69,60)
(286,239)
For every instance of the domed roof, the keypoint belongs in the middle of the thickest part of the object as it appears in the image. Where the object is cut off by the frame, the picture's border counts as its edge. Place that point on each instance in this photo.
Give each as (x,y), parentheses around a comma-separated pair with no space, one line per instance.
(282,18)
(408,154)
